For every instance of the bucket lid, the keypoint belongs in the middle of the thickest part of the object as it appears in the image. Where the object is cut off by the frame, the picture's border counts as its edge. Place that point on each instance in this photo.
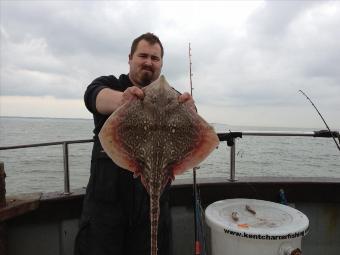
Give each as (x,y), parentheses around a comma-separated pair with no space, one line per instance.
(256,219)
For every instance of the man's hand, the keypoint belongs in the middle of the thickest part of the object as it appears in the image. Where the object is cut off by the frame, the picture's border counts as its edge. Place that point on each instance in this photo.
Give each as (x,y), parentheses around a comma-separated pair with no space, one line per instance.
(187,99)
(108,100)
(131,93)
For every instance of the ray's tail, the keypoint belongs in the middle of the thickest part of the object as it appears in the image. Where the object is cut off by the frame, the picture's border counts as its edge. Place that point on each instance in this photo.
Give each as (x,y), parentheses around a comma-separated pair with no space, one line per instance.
(154,219)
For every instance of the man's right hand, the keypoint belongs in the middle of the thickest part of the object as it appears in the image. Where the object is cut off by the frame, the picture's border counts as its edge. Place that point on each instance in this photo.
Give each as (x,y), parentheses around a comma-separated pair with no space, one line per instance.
(130,93)
(108,100)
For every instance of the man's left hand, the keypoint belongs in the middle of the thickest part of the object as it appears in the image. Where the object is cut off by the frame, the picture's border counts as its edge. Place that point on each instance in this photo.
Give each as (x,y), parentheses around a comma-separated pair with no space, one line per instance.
(187,99)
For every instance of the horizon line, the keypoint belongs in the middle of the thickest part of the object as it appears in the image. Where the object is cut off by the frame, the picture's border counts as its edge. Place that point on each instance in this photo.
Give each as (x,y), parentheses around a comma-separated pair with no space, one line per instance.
(231,125)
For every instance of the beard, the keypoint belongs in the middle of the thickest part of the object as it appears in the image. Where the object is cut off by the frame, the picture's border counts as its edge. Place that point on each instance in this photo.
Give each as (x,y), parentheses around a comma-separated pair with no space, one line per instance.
(143,75)
(146,77)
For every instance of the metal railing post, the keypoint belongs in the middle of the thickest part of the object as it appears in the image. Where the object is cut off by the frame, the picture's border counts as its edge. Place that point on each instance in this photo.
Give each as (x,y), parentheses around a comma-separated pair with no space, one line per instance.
(66,169)
(2,185)
(232,161)
(3,225)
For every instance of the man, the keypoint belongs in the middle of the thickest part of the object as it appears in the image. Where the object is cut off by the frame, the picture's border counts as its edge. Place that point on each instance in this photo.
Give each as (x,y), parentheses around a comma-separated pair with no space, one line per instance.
(115,218)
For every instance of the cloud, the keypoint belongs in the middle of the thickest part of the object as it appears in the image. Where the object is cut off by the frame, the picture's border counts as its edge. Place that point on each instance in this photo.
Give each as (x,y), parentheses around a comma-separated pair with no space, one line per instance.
(277,55)
(246,55)
(64,47)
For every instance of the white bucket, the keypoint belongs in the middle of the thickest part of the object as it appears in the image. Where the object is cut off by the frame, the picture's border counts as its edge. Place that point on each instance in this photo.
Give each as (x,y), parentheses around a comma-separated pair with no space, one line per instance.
(254,227)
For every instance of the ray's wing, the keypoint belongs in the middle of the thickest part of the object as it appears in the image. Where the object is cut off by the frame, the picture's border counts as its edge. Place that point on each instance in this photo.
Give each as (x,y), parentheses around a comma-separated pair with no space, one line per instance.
(122,127)
(191,138)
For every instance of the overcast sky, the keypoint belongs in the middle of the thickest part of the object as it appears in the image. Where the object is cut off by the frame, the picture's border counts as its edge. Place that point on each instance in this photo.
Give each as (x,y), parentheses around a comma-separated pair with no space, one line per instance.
(249,58)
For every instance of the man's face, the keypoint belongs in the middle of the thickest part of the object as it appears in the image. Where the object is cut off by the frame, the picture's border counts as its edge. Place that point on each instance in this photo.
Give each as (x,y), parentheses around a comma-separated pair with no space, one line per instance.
(145,63)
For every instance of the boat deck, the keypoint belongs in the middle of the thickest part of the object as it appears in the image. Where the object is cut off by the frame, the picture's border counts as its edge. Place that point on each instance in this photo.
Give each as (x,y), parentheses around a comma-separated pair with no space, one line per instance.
(48,223)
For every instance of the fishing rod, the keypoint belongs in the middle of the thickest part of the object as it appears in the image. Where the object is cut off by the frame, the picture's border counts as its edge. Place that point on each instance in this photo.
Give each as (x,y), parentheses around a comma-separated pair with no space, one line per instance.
(331,133)
(199,248)
(197,243)
(190,63)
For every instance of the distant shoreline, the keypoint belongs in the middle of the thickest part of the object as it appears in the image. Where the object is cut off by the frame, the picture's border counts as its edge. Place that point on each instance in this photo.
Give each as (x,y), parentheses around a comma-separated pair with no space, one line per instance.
(250,127)
(59,118)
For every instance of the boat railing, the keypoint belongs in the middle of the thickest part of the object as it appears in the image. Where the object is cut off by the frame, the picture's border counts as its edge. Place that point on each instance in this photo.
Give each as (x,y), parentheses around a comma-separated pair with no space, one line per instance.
(65,155)
(230,137)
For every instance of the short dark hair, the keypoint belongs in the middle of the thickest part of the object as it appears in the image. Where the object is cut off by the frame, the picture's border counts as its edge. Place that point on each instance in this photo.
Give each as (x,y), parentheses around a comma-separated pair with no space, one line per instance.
(150,38)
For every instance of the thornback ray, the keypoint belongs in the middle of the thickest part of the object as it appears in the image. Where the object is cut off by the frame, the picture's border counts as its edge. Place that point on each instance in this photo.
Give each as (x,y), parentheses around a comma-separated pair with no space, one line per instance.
(156,138)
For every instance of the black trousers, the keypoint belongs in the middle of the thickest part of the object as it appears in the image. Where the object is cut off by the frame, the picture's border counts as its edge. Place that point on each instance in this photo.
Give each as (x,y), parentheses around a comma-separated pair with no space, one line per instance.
(115,218)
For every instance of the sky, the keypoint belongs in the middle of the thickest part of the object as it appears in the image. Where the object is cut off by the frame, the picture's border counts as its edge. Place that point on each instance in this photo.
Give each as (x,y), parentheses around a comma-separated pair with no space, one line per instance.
(249,59)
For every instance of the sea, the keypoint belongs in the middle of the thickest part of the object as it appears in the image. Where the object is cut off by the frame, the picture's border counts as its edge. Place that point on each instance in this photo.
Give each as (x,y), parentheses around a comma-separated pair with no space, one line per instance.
(40,169)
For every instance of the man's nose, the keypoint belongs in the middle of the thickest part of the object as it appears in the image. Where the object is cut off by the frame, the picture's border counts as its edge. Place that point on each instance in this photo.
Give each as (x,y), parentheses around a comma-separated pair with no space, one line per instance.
(148,61)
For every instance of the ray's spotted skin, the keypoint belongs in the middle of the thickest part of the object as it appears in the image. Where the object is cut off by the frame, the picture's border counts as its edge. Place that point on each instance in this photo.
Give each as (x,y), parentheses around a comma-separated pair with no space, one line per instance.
(157,137)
